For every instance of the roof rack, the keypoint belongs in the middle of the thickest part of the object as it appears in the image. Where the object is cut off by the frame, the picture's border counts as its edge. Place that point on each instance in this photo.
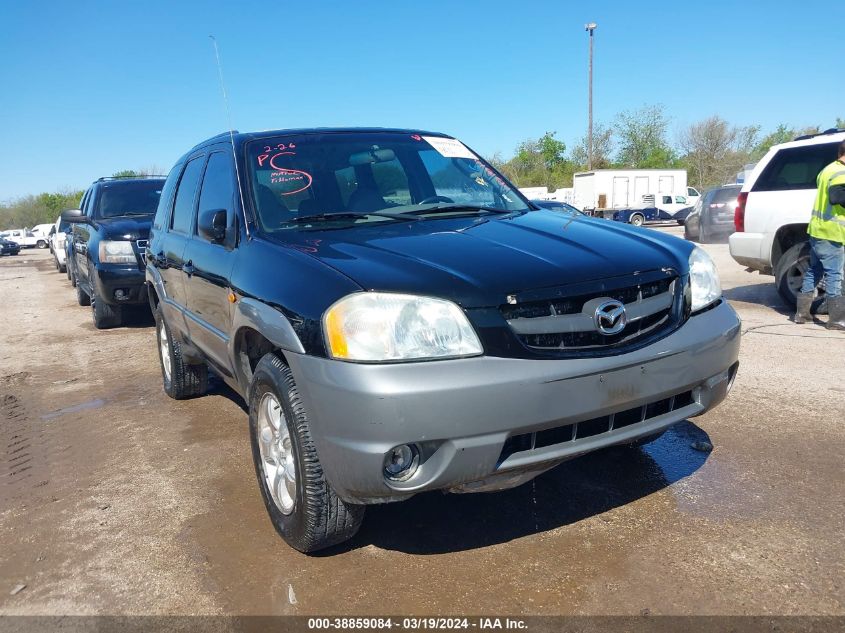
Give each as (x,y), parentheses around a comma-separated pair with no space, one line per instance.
(104,178)
(833,130)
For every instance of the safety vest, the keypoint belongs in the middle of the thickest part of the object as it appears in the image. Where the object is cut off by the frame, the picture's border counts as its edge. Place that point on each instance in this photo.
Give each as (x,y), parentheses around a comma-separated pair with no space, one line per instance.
(828,221)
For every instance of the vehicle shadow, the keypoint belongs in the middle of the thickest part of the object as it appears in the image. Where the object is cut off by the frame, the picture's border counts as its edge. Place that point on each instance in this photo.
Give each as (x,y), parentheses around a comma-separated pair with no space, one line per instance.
(433,523)
(764,294)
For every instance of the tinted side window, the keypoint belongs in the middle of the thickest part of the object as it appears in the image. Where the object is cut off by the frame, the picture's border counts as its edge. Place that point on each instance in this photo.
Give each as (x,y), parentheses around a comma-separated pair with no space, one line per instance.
(218,186)
(166,200)
(795,168)
(183,208)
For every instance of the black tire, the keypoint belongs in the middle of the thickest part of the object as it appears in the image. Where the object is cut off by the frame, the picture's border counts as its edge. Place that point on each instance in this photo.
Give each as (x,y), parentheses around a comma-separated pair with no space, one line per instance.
(41,244)
(62,268)
(789,274)
(105,315)
(319,518)
(81,297)
(185,380)
(637,219)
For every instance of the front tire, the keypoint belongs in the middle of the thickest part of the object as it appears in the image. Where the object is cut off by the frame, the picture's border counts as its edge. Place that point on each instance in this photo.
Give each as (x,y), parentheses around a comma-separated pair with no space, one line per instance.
(302,505)
(82,297)
(105,315)
(637,219)
(180,379)
(41,244)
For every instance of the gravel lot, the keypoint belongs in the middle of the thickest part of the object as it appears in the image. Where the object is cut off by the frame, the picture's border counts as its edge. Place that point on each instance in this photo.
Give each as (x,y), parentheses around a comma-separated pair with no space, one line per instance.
(115,499)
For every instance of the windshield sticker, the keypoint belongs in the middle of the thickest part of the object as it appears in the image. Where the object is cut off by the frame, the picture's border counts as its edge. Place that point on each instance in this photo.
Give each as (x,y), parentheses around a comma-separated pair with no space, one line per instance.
(449,147)
(291,180)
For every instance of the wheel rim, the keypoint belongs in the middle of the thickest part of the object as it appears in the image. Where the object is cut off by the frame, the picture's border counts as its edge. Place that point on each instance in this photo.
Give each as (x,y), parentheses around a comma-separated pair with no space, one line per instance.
(637,221)
(795,274)
(277,458)
(164,345)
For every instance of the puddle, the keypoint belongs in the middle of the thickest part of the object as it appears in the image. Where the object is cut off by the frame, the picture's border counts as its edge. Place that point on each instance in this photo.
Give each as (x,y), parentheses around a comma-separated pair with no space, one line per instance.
(92,404)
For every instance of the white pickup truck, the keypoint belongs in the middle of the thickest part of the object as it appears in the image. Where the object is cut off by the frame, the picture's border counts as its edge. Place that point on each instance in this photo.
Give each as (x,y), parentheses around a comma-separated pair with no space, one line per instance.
(24,238)
(774,207)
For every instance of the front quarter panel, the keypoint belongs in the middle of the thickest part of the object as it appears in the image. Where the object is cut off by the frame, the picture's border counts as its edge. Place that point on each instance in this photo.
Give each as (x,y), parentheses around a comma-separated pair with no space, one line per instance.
(290,283)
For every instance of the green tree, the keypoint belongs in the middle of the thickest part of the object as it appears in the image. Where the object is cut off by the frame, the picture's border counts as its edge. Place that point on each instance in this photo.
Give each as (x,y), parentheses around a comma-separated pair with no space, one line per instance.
(642,138)
(602,149)
(714,150)
(538,163)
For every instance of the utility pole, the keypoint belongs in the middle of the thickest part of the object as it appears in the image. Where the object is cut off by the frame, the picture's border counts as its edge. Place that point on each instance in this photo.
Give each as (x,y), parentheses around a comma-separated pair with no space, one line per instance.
(590,28)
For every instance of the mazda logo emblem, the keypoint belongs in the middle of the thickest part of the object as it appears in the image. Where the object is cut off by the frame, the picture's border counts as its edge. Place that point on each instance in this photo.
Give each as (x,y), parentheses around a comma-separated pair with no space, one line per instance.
(610,317)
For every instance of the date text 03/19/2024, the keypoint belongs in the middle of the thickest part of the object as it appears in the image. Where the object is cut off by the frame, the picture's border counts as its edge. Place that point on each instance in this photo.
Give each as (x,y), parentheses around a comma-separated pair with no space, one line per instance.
(416,623)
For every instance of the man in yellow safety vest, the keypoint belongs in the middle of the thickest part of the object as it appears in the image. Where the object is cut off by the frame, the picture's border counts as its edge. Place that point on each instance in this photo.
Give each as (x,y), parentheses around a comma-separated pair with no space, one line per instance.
(827,245)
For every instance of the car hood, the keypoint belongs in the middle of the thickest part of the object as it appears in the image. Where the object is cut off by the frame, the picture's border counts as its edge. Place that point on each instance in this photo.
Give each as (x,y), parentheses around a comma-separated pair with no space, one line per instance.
(126,228)
(478,261)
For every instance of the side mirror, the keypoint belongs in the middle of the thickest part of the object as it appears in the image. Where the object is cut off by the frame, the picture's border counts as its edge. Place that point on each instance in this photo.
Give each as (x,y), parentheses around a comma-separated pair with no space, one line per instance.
(74,216)
(212,225)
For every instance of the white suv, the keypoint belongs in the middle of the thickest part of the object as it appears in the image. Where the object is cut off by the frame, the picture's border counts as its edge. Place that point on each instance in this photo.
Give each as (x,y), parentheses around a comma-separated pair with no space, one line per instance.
(774,208)
(57,244)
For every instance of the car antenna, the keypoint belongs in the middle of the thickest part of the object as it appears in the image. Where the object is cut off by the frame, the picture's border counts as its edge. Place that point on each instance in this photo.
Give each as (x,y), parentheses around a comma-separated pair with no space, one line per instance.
(231,131)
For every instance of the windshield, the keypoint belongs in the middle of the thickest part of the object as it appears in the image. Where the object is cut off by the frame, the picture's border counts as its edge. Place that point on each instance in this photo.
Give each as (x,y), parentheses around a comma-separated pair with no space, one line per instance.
(120,198)
(299,176)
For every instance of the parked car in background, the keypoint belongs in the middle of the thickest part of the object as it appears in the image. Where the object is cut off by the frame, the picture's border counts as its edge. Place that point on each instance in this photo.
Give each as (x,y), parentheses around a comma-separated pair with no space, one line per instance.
(110,234)
(58,236)
(774,208)
(22,237)
(70,263)
(8,247)
(42,235)
(712,219)
(399,318)
(555,205)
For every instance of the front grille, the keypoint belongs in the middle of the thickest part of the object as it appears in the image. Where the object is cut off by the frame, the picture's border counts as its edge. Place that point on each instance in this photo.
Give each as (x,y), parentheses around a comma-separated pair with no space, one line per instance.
(141,251)
(594,426)
(566,324)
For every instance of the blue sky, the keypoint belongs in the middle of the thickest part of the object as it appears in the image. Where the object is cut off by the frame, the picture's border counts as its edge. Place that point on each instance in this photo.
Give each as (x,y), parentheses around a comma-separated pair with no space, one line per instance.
(90,88)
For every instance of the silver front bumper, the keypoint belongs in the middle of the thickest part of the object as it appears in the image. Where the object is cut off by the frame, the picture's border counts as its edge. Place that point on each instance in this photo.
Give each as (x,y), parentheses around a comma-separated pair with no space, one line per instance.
(462,412)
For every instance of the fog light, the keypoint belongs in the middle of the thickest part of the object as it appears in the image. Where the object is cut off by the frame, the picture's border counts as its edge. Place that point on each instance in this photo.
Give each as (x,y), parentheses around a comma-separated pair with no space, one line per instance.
(401,462)
(121,295)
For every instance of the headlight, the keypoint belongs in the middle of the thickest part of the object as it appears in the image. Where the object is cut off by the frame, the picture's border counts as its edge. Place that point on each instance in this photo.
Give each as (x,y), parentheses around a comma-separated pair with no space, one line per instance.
(377,326)
(116,252)
(704,280)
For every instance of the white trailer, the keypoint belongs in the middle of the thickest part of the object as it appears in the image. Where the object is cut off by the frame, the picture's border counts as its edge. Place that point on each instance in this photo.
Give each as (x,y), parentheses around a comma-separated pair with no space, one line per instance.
(623,188)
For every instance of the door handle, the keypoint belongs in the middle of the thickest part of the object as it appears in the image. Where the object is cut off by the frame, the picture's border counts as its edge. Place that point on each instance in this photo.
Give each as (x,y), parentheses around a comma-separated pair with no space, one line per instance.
(188,268)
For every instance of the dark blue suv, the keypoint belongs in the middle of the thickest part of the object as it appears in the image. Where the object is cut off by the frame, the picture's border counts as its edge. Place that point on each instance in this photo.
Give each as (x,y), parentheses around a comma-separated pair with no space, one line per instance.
(107,244)
(399,318)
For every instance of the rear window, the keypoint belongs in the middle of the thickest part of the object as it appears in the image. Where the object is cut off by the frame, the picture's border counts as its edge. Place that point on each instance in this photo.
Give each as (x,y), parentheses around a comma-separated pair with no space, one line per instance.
(128,198)
(726,194)
(795,168)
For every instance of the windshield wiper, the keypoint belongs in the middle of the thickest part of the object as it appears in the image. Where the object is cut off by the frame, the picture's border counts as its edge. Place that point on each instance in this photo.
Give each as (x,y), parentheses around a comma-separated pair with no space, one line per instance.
(460,208)
(347,215)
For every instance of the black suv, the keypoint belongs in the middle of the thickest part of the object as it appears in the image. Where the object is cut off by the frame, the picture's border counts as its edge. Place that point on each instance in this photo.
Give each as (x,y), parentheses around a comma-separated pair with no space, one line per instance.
(108,241)
(399,318)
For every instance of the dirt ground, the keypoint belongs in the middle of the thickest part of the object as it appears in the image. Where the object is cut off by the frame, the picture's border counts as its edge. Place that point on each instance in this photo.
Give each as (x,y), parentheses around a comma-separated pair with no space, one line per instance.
(115,499)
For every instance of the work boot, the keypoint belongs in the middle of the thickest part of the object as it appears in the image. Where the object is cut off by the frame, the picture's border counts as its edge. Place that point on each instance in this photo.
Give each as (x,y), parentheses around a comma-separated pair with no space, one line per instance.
(805,301)
(836,310)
